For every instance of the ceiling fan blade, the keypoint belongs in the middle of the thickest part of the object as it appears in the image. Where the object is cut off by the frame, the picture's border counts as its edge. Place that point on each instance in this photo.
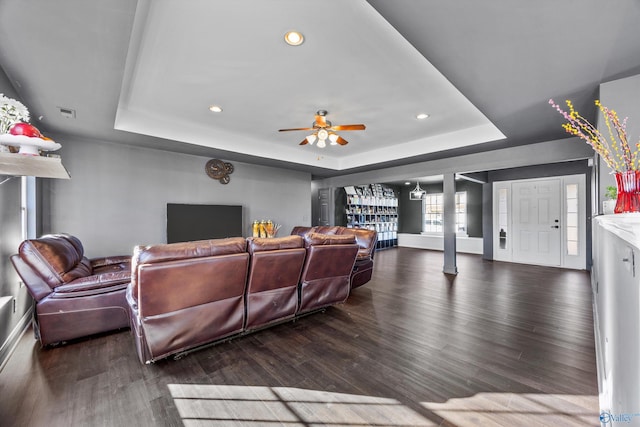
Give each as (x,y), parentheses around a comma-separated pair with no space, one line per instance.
(287,130)
(342,141)
(304,142)
(348,127)
(320,121)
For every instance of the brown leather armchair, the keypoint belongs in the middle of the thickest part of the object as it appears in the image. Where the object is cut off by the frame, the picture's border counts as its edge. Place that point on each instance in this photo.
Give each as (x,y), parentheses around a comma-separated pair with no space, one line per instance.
(184,295)
(74,296)
(327,270)
(274,273)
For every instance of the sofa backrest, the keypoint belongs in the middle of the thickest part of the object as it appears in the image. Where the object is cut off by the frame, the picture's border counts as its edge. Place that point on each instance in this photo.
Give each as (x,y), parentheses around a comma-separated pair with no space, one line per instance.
(326,229)
(327,270)
(274,274)
(300,230)
(189,294)
(262,244)
(175,259)
(56,258)
(366,239)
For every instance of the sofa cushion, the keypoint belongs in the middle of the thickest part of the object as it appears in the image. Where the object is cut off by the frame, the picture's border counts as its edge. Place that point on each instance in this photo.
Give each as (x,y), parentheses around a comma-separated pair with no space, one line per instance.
(184,250)
(261,244)
(327,229)
(300,230)
(317,239)
(57,258)
(97,284)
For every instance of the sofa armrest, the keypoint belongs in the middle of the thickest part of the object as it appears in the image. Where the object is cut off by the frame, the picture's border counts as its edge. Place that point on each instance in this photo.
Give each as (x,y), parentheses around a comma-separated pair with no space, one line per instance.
(97,284)
(37,287)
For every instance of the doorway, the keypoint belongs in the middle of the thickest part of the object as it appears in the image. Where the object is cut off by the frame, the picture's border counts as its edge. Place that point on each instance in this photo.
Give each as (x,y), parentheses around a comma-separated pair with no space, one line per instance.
(541,221)
(324,205)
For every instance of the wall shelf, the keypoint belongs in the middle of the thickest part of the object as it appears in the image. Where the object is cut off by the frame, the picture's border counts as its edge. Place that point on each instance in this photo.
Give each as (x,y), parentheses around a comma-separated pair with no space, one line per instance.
(374,207)
(38,166)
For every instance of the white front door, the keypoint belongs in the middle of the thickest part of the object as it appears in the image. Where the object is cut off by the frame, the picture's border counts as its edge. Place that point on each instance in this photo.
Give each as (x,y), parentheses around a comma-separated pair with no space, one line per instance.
(536,222)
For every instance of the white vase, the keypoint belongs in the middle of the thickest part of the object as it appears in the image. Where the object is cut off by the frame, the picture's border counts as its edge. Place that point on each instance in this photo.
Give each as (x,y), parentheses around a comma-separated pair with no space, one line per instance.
(608,206)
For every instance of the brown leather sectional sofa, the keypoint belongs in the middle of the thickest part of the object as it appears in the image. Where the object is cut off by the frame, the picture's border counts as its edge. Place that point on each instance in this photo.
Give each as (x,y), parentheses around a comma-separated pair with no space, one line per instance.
(186,295)
(180,296)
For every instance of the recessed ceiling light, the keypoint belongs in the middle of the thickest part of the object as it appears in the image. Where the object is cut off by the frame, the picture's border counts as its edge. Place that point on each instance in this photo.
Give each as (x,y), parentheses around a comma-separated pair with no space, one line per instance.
(294,38)
(215,108)
(422,116)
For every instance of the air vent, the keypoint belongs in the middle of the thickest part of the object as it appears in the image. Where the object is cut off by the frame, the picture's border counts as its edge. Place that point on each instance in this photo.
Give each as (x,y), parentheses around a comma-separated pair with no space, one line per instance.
(68,113)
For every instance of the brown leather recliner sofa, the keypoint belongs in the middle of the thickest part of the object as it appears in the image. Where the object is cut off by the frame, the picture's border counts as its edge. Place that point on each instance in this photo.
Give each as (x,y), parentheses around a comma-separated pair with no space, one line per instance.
(186,295)
(74,296)
(366,240)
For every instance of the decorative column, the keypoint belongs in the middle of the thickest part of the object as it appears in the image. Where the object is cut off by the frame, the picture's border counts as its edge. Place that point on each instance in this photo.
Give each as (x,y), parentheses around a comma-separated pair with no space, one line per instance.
(449,223)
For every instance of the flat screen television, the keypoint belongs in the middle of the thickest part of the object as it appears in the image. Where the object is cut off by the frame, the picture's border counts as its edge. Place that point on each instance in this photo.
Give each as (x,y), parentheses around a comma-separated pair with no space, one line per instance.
(187,222)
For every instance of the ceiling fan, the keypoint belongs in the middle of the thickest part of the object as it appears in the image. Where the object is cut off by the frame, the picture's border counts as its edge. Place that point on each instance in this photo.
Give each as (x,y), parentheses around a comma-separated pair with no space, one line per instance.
(323,130)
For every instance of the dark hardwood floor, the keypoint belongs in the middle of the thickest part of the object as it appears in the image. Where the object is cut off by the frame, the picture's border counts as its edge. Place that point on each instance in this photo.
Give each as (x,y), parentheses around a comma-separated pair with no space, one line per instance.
(498,344)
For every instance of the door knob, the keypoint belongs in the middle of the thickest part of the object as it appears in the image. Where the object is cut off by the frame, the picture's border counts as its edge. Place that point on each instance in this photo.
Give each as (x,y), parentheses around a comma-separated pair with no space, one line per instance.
(555,226)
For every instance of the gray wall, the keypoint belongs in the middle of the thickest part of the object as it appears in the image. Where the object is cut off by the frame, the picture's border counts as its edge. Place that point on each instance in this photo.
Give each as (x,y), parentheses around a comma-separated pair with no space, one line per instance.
(117,195)
(410,211)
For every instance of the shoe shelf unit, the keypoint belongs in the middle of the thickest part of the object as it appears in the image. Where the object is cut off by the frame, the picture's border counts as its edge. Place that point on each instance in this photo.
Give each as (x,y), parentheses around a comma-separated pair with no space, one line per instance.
(374,207)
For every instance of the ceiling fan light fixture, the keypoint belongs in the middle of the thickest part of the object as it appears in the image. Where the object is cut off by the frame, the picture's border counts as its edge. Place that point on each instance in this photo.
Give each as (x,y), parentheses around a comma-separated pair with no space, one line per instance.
(294,38)
(323,129)
(323,134)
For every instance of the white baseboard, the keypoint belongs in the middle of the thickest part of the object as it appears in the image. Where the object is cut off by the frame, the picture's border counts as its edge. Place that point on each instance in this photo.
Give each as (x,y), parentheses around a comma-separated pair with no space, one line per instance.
(12,341)
(469,245)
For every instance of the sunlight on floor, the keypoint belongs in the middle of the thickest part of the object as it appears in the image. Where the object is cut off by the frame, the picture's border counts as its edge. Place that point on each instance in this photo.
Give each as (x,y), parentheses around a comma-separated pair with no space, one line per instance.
(241,406)
(262,406)
(511,409)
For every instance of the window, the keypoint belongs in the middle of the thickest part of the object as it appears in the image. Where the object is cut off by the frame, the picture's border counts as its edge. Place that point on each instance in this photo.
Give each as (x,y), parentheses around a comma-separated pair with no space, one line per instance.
(503,218)
(433,210)
(432,213)
(572,243)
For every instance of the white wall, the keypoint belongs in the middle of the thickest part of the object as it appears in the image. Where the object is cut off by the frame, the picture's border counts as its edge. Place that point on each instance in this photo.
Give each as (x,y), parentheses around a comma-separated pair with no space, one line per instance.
(622,96)
(117,195)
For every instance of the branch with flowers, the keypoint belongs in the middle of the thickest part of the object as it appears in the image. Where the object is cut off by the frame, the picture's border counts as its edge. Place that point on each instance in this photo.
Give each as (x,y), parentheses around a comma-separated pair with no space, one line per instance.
(11,112)
(615,150)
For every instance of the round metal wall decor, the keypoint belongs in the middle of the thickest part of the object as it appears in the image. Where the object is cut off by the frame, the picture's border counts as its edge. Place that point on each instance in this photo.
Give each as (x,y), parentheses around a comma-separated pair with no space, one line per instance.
(217,169)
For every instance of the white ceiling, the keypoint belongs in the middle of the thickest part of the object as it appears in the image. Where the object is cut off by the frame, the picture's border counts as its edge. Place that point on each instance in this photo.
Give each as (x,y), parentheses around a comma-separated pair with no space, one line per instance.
(144,73)
(352,63)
